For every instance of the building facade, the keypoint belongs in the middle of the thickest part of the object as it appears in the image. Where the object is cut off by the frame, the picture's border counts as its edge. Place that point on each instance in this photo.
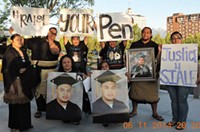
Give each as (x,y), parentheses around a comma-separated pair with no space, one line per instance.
(138,19)
(185,24)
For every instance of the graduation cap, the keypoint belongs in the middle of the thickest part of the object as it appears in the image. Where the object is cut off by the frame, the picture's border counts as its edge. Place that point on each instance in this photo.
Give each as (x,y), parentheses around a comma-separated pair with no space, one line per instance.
(108,76)
(64,79)
(140,55)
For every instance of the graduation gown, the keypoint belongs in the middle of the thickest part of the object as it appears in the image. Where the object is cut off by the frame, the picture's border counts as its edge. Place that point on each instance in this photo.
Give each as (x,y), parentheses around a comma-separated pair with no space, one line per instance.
(103,113)
(55,111)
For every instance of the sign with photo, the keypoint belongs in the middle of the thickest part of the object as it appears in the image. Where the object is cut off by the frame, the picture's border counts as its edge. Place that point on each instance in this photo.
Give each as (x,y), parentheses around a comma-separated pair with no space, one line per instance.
(109,96)
(179,64)
(114,27)
(141,64)
(30,21)
(76,22)
(64,97)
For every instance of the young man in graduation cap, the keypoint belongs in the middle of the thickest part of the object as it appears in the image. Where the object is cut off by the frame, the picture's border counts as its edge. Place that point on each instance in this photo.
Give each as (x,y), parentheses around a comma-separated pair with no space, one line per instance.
(107,109)
(140,69)
(61,108)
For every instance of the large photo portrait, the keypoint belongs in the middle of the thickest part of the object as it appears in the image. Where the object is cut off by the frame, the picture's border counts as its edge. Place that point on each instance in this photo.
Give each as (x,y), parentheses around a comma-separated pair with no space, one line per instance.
(141,64)
(109,96)
(64,97)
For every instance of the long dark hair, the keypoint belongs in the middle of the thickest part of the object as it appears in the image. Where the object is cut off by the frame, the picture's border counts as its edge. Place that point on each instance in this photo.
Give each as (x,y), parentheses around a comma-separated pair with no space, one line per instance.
(60,67)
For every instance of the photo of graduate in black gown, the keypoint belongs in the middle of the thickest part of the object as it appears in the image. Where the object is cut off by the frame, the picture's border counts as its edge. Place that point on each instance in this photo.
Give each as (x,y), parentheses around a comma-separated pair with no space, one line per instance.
(61,108)
(107,109)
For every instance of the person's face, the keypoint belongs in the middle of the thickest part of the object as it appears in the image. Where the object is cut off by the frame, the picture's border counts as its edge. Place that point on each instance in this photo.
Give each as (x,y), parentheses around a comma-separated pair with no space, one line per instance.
(176,39)
(146,35)
(67,64)
(64,92)
(140,61)
(52,34)
(17,42)
(105,66)
(75,41)
(109,90)
(113,44)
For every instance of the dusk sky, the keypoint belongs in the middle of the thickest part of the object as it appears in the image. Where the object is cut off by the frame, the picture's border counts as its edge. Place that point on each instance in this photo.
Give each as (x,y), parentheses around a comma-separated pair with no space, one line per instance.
(155,11)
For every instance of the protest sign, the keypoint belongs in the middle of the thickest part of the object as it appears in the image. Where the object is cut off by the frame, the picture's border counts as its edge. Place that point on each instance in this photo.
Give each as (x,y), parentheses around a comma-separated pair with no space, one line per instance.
(76,22)
(114,26)
(179,64)
(30,21)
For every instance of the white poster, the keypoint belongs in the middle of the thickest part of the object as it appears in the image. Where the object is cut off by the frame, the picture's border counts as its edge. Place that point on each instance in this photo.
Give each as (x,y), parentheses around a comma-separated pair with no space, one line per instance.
(64,96)
(179,64)
(30,21)
(109,96)
(76,22)
(114,27)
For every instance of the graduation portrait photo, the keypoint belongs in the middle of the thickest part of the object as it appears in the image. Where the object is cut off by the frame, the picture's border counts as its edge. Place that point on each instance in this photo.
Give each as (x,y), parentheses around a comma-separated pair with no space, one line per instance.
(64,97)
(141,64)
(109,96)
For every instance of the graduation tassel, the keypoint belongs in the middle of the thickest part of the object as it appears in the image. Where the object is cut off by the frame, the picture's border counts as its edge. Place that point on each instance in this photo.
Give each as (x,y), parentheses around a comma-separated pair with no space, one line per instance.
(52,90)
(97,92)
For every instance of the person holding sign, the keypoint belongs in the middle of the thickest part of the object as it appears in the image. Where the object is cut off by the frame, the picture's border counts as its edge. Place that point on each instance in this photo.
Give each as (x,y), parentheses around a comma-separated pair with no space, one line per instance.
(62,108)
(78,51)
(108,109)
(140,69)
(44,53)
(178,95)
(113,54)
(145,91)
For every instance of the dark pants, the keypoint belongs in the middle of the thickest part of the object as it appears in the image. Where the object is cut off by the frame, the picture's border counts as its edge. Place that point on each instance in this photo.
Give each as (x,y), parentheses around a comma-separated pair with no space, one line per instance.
(19,116)
(41,103)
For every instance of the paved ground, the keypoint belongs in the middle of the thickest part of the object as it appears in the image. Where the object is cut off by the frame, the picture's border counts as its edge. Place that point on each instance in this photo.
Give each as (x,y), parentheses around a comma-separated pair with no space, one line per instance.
(143,122)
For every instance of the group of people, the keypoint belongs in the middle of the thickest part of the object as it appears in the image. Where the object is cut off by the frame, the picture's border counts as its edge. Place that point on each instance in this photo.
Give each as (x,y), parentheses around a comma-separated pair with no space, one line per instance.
(45,53)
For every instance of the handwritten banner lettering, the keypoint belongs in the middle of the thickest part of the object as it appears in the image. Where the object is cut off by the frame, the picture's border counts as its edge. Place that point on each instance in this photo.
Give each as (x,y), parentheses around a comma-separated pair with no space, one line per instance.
(76,22)
(114,26)
(30,21)
(179,64)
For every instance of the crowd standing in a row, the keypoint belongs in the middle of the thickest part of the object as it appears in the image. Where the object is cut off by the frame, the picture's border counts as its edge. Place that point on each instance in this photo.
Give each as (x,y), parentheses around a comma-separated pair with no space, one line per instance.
(45,53)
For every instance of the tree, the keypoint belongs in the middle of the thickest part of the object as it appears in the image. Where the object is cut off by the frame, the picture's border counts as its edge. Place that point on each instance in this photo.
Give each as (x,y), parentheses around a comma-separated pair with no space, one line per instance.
(158,39)
(54,6)
(4,13)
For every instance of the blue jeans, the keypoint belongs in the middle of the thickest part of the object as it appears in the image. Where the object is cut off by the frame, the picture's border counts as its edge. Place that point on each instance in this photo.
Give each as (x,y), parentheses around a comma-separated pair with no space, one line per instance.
(179,104)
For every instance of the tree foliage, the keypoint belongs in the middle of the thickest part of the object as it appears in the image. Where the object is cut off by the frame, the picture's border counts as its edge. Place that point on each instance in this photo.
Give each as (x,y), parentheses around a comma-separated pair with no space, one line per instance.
(54,6)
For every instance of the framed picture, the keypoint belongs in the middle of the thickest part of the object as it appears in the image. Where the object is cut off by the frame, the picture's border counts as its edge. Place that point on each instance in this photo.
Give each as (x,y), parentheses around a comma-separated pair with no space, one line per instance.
(141,64)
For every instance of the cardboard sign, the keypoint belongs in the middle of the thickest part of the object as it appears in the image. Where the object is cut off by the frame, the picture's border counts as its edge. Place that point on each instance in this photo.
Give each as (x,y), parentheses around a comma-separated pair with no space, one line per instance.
(114,26)
(30,21)
(76,22)
(179,64)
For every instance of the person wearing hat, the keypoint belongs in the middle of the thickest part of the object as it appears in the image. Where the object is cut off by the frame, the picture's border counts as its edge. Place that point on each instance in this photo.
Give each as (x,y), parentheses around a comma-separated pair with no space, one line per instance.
(62,108)
(140,69)
(107,109)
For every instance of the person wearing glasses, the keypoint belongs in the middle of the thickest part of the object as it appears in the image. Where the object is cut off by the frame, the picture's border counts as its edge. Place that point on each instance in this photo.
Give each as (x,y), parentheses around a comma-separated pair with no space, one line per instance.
(178,95)
(44,53)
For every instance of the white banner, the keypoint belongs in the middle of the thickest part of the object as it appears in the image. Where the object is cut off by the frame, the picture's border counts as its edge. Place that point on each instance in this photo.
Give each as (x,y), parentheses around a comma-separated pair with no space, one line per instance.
(76,22)
(179,64)
(30,21)
(114,26)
